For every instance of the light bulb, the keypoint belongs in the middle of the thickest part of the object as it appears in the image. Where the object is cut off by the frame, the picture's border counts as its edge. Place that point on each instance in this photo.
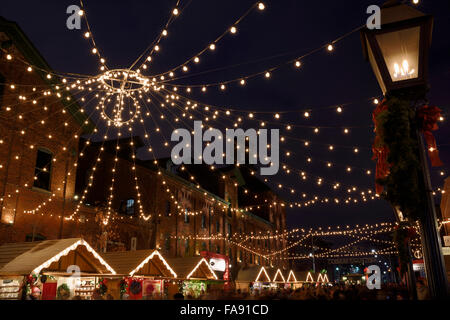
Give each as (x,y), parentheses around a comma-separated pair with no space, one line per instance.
(261,6)
(212,46)
(233,29)
(330,47)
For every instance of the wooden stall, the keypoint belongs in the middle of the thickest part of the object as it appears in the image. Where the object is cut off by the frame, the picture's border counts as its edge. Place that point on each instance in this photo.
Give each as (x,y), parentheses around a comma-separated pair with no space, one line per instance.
(195,275)
(50,269)
(144,269)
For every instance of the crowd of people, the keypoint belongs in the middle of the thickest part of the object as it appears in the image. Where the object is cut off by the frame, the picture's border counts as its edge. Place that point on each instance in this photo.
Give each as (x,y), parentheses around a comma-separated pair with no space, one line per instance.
(335,292)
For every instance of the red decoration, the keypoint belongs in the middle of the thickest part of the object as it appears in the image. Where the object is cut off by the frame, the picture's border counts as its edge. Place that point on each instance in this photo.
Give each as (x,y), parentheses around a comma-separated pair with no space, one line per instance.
(380,152)
(429,115)
(49,291)
(133,284)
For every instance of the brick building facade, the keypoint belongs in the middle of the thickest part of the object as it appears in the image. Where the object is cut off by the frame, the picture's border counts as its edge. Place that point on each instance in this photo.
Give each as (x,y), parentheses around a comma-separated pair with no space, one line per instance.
(43,177)
(35,126)
(180,218)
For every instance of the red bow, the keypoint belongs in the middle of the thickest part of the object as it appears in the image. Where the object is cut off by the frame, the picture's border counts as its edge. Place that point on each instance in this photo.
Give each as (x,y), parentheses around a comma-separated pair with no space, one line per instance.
(380,152)
(429,115)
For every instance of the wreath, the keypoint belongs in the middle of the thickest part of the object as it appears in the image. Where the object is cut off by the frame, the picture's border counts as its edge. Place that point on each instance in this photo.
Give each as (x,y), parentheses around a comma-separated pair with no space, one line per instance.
(135,287)
(63,292)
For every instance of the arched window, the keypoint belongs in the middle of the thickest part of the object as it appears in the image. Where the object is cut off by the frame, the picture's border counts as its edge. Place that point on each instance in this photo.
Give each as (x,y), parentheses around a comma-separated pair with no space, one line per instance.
(203,221)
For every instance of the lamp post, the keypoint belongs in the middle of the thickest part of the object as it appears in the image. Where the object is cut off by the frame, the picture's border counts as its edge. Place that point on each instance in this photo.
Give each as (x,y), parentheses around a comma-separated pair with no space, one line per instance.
(398,54)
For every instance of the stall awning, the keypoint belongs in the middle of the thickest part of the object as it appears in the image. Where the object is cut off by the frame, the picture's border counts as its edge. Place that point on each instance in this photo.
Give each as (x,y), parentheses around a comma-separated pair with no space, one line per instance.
(278,275)
(192,268)
(140,262)
(26,258)
(292,277)
(253,274)
(306,276)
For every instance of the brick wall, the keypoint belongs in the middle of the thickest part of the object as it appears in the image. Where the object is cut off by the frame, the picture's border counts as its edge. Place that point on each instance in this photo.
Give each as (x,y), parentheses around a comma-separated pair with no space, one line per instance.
(22,134)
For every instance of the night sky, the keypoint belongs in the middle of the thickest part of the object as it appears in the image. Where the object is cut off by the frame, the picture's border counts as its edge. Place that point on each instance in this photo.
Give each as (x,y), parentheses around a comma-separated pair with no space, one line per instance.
(285,30)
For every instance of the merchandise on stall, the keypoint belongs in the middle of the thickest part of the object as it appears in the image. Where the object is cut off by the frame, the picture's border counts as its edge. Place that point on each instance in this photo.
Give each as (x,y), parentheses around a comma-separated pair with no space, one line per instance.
(50,269)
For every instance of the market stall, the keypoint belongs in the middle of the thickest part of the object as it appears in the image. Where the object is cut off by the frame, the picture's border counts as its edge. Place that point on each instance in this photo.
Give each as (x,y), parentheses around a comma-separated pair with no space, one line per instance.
(195,275)
(254,278)
(278,278)
(50,269)
(141,274)
(292,279)
(297,279)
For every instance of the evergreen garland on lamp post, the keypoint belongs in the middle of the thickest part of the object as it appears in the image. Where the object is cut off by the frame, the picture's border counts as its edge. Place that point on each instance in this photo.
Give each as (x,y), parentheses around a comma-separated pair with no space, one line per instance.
(395,129)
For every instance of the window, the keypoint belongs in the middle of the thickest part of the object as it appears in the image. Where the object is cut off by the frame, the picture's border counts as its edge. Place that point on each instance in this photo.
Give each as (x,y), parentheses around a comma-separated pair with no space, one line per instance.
(203,246)
(203,221)
(186,216)
(229,229)
(34,237)
(217,249)
(218,226)
(186,247)
(167,208)
(42,170)
(167,243)
(129,209)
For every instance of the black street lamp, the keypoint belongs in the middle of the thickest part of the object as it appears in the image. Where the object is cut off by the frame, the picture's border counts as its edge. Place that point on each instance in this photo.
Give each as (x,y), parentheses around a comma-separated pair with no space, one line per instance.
(398,54)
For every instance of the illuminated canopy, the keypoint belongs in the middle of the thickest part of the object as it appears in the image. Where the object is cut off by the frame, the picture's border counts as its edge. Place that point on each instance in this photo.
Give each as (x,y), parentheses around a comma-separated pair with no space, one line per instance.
(279,277)
(191,268)
(51,256)
(140,262)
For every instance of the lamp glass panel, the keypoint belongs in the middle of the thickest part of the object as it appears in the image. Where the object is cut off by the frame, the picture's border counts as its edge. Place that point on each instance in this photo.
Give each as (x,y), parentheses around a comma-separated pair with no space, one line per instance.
(400,50)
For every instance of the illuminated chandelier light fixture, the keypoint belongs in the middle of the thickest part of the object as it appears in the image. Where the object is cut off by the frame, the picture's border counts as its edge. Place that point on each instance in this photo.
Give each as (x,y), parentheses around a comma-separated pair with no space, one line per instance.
(119,106)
